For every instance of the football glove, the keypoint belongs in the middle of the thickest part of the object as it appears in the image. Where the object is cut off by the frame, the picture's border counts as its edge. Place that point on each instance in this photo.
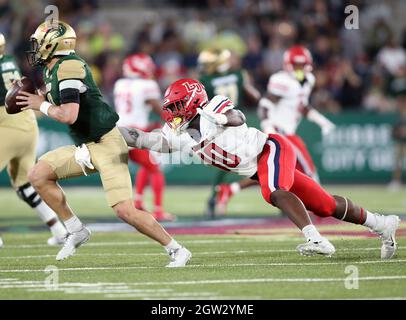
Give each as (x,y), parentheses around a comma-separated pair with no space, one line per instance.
(82,158)
(216,118)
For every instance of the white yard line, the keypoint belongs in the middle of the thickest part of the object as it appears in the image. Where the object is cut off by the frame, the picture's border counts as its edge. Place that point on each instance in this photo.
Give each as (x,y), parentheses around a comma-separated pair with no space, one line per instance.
(238,281)
(138,243)
(262,280)
(276,264)
(108,254)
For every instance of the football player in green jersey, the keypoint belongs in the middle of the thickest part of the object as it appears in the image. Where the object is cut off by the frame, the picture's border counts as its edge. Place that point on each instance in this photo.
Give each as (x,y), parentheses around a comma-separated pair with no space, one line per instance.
(220,78)
(72,97)
(18,144)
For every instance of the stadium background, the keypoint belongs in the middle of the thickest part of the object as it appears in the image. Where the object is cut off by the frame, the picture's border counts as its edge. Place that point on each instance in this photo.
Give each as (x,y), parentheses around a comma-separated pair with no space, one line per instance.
(361,74)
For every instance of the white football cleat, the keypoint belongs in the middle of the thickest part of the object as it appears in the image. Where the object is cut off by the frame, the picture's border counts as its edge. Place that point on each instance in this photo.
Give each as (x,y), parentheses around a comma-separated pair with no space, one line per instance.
(179,258)
(1,243)
(73,241)
(310,248)
(387,234)
(55,241)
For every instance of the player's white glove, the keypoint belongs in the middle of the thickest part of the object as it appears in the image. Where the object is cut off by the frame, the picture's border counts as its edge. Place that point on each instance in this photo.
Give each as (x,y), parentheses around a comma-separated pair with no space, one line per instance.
(216,118)
(82,158)
(326,125)
(327,128)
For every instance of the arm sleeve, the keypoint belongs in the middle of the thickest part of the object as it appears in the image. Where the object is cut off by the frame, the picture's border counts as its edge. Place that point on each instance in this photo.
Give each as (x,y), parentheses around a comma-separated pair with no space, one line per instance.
(137,138)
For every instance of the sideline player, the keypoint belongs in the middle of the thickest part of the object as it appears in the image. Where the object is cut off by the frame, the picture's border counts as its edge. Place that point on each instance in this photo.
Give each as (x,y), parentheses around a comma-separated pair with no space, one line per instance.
(220,77)
(134,96)
(73,98)
(216,132)
(18,144)
(281,112)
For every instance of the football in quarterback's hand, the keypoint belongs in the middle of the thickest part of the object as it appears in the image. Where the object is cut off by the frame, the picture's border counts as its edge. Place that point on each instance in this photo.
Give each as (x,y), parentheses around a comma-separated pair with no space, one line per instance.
(24,84)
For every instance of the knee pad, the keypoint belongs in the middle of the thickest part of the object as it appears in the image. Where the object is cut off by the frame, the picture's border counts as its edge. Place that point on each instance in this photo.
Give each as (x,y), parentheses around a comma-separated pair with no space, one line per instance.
(28,194)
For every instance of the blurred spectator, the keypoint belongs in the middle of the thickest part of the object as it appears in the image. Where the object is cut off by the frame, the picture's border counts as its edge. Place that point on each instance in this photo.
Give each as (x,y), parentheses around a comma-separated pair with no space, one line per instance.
(392,56)
(375,98)
(259,31)
(399,137)
(346,84)
(105,40)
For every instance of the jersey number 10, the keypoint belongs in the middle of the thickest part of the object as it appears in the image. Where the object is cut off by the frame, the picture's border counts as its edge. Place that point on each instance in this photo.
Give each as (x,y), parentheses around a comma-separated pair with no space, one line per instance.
(212,154)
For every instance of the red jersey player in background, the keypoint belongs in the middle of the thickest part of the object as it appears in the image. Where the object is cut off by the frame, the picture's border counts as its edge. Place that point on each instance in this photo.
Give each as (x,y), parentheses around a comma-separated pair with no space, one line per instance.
(281,112)
(135,95)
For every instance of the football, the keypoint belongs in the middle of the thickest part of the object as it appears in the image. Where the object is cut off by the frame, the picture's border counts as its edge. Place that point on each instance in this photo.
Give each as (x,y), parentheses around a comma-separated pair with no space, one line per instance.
(24,84)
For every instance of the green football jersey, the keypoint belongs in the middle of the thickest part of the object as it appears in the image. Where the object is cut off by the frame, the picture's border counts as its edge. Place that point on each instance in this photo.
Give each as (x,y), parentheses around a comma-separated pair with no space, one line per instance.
(9,72)
(229,84)
(96,117)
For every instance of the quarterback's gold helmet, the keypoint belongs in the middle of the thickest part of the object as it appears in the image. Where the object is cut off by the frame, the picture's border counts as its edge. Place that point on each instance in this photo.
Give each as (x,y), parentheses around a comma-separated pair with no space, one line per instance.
(214,60)
(51,39)
(2,44)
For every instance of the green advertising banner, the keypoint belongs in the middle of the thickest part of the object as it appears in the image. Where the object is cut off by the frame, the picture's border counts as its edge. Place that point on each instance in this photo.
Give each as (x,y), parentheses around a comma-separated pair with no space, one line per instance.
(359,151)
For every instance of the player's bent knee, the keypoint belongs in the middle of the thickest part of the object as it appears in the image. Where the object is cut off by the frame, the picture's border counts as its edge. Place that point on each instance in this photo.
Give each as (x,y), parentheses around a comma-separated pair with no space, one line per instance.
(39,174)
(35,177)
(278,196)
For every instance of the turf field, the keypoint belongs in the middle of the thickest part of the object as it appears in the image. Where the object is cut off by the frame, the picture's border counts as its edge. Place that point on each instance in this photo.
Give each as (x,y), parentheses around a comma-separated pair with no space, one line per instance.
(233,257)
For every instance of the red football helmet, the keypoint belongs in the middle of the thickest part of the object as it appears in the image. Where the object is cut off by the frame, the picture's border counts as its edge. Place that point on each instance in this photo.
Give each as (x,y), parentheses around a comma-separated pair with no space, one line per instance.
(298,61)
(181,100)
(139,65)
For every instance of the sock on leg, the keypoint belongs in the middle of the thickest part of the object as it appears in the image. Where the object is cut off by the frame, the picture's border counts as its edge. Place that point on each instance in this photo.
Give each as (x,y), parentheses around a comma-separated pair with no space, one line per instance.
(311,234)
(173,245)
(73,224)
(374,221)
(58,230)
(235,187)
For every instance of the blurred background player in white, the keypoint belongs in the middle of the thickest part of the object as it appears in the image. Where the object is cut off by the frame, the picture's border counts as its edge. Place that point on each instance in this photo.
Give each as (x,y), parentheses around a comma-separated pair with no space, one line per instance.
(221,74)
(135,96)
(18,143)
(281,112)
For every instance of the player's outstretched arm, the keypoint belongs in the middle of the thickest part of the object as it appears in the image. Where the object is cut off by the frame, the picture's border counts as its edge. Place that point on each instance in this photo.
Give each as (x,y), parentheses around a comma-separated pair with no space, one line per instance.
(325,124)
(137,138)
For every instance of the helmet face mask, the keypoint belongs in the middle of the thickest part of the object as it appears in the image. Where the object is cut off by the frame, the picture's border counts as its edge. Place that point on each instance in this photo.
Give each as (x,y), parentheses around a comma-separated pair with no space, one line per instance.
(34,57)
(298,62)
(181,101)
(50,40)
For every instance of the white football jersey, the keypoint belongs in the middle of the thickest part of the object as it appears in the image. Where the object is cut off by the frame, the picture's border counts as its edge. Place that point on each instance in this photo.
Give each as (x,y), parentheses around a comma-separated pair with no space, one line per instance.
(130,99)
(287,113)
(232,149)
